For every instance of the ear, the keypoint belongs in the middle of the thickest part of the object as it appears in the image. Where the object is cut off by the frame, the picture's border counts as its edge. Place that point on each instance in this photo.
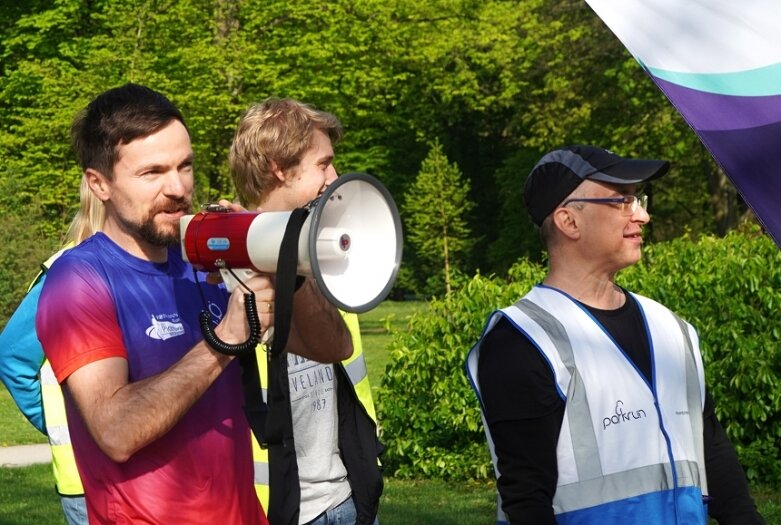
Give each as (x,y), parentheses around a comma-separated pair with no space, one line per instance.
(278,172)
(567,222)
(98,184)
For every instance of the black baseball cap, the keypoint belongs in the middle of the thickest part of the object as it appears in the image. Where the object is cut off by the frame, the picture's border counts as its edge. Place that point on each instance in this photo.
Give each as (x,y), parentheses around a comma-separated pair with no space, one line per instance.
(559,172)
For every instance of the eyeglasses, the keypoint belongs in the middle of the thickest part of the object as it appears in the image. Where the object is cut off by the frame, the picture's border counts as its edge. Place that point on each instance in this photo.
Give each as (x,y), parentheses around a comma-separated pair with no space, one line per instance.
(628,204)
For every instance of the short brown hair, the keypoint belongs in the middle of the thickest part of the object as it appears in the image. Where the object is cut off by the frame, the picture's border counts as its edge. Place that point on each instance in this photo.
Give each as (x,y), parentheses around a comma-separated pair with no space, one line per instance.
(116,117)
(274,134)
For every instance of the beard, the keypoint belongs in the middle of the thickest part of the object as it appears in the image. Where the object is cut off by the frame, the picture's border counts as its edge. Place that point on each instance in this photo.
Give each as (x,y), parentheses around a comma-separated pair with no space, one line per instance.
(166,234)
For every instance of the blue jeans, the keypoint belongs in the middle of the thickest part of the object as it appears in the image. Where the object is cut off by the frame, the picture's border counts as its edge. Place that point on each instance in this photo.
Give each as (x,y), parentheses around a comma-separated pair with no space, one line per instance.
(342,514)
(75,509)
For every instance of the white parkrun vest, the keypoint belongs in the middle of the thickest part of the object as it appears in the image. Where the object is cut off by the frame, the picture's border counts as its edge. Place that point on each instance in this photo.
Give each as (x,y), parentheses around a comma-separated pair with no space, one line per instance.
(620,436)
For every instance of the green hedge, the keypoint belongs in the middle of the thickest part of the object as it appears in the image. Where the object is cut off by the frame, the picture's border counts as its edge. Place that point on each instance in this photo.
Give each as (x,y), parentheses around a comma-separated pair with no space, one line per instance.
(22,250)
(428,413)
(728,288)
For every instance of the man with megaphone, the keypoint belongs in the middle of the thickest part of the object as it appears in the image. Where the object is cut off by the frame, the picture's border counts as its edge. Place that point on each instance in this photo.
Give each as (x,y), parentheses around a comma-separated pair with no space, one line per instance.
(154,411)
(281,159)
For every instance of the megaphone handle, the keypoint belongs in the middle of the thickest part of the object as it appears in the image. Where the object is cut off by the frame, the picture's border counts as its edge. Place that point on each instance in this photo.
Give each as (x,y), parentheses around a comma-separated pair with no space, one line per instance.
(221,346)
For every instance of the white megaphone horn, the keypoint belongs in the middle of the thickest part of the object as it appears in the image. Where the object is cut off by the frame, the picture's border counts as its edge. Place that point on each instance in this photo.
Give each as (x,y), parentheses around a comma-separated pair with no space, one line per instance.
(350,242)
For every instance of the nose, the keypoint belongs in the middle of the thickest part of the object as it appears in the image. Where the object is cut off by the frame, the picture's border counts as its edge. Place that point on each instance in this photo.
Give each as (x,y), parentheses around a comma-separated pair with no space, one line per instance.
(330,175)
(641,215)
(177,184)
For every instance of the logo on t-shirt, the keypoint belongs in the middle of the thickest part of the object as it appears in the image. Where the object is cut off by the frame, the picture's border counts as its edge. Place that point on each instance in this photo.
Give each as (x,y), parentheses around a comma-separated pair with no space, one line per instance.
(165,326)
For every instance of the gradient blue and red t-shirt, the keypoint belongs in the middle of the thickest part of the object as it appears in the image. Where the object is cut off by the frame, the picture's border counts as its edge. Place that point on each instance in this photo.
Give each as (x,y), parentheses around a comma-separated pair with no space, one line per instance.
(98,301)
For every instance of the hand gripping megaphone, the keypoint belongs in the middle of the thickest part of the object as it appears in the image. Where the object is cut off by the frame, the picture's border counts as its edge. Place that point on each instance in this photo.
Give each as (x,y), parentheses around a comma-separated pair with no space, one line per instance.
(350,242)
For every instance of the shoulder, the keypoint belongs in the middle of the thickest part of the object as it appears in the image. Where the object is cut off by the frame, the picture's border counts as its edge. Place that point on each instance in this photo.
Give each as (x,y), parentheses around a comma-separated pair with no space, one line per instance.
(71,272)
(88,253)
(516,381)
(652,307)
(77,276)
(507,353)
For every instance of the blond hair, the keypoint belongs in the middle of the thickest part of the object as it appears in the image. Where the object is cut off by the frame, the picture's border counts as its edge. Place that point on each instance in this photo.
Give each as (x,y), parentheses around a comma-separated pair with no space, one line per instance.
(274,135)
(90,217)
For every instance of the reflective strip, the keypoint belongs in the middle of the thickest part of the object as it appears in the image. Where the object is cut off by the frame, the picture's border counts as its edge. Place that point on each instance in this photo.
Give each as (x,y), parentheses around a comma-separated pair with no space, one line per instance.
(261,473)
(692,379)
(66,475)
(356,370)
(59,435)
(584,441)
(47,375)
(694,395)
(622,485)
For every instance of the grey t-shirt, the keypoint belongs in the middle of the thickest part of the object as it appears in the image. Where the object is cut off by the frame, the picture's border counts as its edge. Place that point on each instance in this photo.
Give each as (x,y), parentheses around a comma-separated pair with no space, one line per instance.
(322,474)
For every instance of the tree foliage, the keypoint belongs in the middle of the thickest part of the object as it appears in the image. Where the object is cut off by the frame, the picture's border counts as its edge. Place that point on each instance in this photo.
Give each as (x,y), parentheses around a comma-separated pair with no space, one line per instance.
(497,82)
(436,208)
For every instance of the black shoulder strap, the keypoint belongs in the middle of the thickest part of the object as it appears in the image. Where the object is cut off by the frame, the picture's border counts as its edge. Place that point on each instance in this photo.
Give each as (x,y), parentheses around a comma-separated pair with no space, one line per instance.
(272,424)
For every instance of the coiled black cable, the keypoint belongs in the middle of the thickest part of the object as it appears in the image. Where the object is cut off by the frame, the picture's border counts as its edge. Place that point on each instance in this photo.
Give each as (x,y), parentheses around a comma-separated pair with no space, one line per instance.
(255,330)
(221,346)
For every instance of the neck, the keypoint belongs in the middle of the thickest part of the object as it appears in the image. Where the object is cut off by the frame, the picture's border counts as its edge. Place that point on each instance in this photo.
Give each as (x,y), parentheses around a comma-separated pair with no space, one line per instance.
(597,291)
(274,201)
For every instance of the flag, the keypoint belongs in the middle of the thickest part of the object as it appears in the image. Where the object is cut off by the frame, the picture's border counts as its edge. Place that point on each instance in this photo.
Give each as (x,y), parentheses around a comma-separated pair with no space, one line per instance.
(719,64)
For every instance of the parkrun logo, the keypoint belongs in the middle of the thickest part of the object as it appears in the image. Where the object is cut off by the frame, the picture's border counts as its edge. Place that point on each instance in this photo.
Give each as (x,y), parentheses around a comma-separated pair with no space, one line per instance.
(620,416)
(166,327)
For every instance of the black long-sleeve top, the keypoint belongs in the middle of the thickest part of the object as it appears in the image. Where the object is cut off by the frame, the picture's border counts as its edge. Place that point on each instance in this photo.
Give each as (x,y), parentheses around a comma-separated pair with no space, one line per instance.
(524,414)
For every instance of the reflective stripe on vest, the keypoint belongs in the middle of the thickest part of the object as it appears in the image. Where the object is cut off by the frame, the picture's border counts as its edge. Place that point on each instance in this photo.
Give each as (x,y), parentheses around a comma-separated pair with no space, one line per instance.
(355,366)
(66,474)
(620,409)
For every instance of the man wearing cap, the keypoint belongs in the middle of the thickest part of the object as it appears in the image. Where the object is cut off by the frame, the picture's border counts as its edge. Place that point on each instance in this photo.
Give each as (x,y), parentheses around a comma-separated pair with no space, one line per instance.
(593,397)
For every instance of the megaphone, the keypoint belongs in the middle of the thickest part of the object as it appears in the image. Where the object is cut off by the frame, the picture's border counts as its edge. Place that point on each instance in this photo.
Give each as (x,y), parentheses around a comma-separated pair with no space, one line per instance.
(350,242)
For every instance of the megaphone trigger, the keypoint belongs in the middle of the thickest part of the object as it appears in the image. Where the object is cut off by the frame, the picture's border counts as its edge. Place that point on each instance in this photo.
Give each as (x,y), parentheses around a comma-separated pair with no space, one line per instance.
(235,278)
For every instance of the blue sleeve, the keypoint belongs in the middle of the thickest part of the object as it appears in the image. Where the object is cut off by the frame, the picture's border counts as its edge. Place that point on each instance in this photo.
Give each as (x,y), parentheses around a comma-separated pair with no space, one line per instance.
(21,356)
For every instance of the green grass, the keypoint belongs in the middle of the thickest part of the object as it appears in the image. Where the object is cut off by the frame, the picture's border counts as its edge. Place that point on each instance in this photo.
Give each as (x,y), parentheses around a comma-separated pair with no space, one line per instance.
(436,502)
(769,503)
(27,497)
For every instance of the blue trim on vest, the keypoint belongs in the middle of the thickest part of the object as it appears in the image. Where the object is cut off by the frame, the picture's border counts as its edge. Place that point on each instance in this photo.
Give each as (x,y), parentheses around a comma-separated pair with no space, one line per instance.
(662,428)
(680,506)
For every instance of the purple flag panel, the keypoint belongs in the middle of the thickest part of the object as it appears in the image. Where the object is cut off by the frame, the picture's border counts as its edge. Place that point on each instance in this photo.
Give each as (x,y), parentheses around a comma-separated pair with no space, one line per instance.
(719,63)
